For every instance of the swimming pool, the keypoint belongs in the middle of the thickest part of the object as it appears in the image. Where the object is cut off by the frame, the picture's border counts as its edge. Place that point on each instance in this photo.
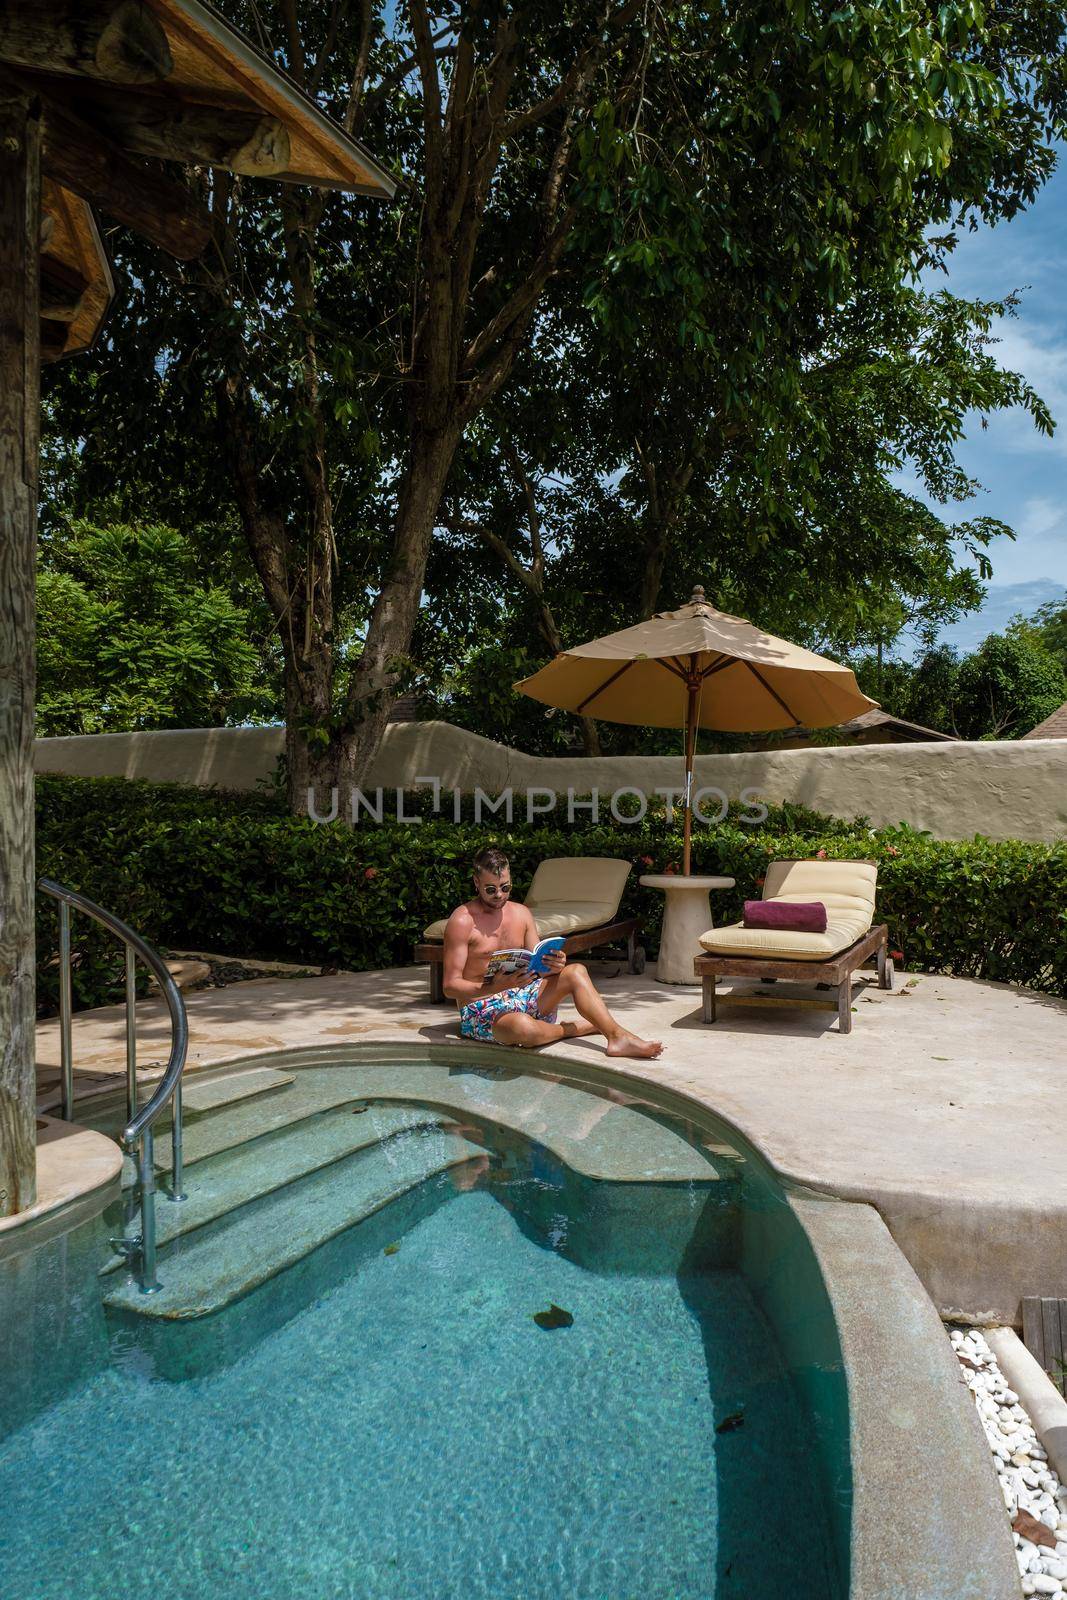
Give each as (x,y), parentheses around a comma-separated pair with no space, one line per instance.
(349,1385)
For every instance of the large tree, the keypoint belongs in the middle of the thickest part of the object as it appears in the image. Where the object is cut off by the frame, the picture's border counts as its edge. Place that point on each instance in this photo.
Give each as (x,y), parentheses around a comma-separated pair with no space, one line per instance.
(673,168)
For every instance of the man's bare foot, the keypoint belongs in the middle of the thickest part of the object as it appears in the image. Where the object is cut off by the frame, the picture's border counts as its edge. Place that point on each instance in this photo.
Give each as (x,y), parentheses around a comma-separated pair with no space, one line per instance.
(628,1044)
(577,1030)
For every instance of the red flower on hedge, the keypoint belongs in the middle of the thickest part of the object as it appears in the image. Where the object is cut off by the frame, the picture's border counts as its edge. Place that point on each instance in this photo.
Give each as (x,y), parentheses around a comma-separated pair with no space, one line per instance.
(370,872)
(820,855)
(760,882)
(646,861)
(896,955)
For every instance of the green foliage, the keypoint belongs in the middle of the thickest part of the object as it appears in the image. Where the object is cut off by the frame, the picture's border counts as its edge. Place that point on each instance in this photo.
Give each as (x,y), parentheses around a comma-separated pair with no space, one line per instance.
(1007,687)
(129,635)
(1046,628)
(236,875)
(921,691)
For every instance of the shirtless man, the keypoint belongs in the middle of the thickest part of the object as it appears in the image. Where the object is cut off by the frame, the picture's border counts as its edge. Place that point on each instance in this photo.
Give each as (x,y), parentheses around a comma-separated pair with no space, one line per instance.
(509,1008)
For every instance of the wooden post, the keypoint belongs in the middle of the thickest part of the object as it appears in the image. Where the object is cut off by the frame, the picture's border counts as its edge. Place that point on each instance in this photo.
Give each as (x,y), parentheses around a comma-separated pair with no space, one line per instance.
(19,420)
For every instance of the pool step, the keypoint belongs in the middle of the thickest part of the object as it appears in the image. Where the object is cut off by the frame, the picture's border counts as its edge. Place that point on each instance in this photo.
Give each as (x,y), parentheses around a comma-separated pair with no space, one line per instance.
(223,1261)
(234,1178)
(200,1096)
(602,1139)
(229,1125)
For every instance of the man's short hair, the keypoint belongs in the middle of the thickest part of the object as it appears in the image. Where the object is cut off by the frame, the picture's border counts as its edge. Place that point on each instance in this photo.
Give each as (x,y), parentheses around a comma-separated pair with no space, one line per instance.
(490,860)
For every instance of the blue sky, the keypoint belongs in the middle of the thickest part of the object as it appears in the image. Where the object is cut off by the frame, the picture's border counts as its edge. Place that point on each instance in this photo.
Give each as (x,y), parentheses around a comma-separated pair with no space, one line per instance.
(1024,474)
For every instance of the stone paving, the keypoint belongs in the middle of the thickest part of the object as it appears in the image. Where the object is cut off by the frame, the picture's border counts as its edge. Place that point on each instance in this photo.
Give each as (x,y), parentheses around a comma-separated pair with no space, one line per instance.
(943,1108)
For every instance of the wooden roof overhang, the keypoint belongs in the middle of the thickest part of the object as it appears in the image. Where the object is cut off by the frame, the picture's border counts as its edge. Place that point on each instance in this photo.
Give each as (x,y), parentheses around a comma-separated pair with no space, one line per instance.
(129,87)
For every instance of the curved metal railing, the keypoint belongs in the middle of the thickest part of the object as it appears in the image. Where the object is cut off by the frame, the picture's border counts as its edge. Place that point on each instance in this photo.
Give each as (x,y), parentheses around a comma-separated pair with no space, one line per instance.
(137,1136)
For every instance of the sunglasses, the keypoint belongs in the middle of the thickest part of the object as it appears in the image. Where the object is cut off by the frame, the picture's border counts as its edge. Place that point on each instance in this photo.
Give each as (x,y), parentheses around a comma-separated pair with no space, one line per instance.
(496,888)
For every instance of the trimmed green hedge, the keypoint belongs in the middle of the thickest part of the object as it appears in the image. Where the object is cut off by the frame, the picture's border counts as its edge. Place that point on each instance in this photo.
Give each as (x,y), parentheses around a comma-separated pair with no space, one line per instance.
(235,874)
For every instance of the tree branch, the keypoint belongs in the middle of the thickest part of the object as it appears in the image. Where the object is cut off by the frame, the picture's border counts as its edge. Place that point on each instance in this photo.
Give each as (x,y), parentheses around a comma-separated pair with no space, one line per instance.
(533,520)
(521,302)
(400,72)
(426,61)
(359,71)
(338,11)
(264,529)
(294,43)
(591,54)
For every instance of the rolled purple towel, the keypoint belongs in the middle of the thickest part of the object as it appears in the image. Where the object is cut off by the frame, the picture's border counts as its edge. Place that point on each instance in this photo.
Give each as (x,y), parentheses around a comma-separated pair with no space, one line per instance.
(796,916)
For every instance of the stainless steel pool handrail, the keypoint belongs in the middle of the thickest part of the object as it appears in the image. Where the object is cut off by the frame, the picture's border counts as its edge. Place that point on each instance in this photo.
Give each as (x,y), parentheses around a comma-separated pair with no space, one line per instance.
(137,1136)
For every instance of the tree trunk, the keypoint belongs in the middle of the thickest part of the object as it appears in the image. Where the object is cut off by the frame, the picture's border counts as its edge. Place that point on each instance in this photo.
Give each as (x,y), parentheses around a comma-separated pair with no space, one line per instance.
(666,488)
(312,755)
(551,635)
(652,571)
(371,694)
(19,421)
(298,584)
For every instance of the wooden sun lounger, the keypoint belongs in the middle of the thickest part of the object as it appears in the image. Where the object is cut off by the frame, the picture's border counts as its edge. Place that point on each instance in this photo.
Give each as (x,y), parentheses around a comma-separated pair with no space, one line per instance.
(628,928)
(836,972)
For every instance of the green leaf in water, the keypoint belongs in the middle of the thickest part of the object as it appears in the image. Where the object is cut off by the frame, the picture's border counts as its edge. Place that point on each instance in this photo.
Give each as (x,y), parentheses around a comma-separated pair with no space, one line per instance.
(736,1419)
(390,1250)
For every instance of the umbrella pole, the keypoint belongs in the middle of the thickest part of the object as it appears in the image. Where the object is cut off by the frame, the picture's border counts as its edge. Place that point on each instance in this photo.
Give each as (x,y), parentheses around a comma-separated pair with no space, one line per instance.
(690,754)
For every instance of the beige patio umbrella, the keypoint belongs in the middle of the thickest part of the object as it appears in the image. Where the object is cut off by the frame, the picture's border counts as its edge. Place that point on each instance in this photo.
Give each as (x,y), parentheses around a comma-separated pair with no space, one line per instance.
(699,668)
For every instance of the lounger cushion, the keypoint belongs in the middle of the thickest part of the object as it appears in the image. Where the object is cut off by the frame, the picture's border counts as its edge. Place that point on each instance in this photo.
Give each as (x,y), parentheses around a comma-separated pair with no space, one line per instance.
(847,885)
(569,894)
(577,879)
(846,889)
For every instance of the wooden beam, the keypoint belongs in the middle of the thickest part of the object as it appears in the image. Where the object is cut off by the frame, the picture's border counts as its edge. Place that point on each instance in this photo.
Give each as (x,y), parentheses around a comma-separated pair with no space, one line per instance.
(249,142)
(118,42)
(54,336)
(20,226)
(63,291)
(163,210)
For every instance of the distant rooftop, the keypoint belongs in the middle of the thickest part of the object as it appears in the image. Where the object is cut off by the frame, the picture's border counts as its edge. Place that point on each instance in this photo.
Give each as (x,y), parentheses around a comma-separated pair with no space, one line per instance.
(870,727)
(1054,727)
(903,731)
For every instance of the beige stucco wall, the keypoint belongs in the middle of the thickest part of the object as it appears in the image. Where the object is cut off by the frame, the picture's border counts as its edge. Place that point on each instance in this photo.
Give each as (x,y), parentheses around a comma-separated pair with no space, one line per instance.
(1006,789)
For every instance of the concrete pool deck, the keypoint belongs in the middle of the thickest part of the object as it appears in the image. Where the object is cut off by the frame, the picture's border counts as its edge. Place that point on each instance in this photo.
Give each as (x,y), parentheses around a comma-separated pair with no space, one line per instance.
(943,1108)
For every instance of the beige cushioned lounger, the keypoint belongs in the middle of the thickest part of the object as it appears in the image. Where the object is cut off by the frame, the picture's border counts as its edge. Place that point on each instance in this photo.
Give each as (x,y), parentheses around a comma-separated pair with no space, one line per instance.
(569,894)
(846,889)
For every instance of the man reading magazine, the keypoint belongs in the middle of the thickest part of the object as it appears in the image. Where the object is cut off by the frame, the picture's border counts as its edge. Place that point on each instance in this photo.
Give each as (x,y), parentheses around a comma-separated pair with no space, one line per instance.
(510,1007)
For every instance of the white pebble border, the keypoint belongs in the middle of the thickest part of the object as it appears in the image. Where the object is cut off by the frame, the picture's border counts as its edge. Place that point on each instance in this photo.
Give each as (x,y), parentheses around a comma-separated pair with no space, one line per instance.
(1027,1482)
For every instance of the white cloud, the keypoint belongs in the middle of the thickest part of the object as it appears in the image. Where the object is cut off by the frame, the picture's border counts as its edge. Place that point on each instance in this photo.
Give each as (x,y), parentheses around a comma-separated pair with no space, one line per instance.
(1041,517)
(1041,357)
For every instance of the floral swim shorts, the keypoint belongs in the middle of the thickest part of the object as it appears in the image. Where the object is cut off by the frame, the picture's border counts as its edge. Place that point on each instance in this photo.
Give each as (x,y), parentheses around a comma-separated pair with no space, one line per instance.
(477,1016)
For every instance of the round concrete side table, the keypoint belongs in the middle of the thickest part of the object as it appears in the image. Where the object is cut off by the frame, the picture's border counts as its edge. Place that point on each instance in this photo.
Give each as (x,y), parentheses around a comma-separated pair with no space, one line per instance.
(686,915)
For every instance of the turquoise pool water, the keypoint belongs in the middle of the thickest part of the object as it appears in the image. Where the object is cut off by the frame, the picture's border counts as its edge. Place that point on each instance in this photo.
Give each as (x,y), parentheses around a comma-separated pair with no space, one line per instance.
(392,1422)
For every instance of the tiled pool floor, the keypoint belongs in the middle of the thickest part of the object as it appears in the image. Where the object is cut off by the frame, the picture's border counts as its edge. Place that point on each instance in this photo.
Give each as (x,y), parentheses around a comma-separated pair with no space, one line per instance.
(413,1433)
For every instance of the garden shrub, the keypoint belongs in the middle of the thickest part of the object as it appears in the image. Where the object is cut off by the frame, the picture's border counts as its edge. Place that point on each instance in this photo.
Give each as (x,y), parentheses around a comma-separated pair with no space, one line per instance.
(236,874)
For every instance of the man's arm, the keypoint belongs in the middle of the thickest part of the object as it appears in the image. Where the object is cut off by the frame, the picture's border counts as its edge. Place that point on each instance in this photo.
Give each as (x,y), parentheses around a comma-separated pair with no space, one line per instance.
(457,942)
